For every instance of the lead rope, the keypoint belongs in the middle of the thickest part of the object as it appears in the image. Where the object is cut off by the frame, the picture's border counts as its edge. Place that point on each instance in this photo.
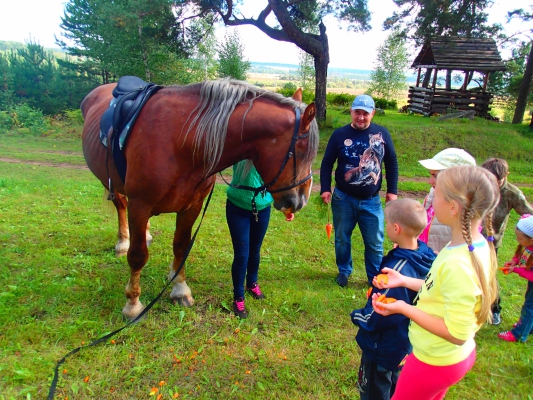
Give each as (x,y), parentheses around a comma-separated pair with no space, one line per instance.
(52,390)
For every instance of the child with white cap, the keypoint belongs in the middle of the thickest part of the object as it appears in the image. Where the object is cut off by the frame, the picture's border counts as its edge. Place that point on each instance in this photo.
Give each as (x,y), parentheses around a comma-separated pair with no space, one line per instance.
(437,235)
(522,265)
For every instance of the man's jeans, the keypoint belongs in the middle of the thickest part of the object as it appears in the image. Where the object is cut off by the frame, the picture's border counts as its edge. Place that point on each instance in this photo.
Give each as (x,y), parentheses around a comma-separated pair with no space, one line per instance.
(347,213)
(524,328)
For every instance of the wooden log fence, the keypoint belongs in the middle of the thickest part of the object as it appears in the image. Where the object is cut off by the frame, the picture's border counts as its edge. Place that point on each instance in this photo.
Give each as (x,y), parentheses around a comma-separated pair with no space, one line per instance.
(439,101)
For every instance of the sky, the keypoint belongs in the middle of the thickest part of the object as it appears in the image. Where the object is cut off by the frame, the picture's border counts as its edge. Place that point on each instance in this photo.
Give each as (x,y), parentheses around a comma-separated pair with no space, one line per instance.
(40,19)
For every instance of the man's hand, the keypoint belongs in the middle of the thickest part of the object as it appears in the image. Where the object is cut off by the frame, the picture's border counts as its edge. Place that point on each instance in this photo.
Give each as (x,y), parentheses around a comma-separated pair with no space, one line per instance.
(390,197)
(326,197)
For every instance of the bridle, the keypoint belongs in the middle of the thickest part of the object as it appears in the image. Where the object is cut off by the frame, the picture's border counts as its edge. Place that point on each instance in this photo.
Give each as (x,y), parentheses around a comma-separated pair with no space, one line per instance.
(290,153)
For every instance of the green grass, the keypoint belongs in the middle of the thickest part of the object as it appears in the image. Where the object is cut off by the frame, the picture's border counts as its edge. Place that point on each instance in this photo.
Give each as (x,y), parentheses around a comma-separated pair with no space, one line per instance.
(62,287)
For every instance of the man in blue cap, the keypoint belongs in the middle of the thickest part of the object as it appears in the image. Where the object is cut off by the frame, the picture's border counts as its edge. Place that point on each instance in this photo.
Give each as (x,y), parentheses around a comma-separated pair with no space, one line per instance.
(360,150)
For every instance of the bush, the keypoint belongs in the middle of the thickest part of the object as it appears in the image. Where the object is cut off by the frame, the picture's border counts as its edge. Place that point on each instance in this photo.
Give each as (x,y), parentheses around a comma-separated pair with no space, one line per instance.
(308,96)
(339,99)
(24,119)
(73,116)
(386,104)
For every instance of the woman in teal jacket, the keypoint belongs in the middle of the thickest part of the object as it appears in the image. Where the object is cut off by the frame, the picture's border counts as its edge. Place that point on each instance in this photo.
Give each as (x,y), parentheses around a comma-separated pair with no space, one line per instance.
(247,229)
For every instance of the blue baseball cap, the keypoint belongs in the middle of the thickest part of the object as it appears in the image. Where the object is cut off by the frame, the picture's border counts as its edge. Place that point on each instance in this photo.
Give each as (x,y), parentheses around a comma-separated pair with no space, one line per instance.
(363,102)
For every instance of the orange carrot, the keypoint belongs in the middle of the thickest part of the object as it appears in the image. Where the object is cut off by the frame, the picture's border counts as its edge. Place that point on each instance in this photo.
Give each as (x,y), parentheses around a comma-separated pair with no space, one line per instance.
(382,278)
(504,270)
(386,300)
(329,228)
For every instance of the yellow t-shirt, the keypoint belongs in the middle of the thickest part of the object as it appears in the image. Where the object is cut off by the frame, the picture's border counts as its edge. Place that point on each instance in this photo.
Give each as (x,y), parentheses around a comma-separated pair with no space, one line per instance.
(450,291)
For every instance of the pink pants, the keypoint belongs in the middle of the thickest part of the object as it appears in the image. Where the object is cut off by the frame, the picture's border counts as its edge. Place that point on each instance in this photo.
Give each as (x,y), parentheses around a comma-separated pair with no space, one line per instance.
(422,381)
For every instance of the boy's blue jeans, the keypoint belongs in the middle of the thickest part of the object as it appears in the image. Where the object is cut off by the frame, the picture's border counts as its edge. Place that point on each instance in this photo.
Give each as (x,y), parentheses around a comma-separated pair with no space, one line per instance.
(247,236)
(347,213)
(525,325)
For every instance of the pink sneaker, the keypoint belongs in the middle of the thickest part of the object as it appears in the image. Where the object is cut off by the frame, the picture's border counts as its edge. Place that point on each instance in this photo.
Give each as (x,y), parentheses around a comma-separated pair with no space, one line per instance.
(239,309)
(507,336)
(255,291)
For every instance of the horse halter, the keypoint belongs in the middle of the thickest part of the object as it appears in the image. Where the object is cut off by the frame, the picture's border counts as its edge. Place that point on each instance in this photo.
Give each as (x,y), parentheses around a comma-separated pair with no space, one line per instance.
(290,153)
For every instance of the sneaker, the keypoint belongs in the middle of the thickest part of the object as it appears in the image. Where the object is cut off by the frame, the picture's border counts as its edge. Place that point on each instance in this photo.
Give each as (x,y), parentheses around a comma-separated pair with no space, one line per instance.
(342,280)
(507,336)
(239,309)
(496,318)
(255,291)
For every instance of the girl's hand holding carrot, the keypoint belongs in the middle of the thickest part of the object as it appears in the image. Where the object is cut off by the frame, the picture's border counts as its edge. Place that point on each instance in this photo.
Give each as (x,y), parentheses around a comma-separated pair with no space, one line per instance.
(507,268)
(386,308)
(395,279)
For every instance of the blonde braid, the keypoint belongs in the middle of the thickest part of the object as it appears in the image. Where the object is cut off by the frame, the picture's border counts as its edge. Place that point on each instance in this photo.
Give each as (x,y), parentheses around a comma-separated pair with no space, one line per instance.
(493,284)
(466,223)
(477,191)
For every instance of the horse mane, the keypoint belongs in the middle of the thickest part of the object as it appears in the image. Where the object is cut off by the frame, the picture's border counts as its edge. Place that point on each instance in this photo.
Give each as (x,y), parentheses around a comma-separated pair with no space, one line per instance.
(218,100)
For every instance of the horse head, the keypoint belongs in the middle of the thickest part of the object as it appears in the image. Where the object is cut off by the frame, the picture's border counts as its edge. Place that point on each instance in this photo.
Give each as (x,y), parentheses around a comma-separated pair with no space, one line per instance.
(291,187)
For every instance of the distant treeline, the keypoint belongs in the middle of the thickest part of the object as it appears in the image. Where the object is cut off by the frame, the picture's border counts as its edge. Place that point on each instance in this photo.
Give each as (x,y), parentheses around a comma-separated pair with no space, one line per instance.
(333,73)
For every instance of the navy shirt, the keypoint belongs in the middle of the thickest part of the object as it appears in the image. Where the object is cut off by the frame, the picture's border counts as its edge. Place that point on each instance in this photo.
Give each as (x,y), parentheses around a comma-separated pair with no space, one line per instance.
(360,155)
(385,340)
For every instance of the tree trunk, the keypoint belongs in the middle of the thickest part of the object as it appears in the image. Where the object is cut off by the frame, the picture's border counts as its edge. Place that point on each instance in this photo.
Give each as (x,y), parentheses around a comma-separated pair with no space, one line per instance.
(321,78)
(521,102)
(427,77)
(449,79)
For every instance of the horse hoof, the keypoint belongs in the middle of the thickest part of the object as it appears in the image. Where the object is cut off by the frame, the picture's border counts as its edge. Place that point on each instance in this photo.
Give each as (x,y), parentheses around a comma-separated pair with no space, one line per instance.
(121,253)
(183,301)
(130,312)
(121,248)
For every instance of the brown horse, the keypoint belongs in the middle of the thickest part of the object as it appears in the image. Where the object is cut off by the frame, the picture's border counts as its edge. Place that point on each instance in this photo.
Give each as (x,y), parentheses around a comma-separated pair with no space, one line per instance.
(182,137)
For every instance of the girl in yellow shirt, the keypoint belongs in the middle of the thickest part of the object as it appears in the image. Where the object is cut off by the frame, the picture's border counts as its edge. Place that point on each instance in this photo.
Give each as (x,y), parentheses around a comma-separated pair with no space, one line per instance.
(454,300)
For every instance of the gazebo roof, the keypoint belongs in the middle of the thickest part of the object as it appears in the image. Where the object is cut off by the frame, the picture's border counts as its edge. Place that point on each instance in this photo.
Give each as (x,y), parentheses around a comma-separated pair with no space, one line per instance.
(457,53)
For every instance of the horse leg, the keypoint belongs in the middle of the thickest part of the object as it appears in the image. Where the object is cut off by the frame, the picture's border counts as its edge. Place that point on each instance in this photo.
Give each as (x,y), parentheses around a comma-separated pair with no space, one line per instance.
(137,257)
(148,235)
(181,293)
(123,235)
(123,243)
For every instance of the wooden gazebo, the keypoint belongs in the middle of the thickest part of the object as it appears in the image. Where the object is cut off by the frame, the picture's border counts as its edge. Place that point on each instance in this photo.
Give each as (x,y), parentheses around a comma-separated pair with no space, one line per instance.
(468,55)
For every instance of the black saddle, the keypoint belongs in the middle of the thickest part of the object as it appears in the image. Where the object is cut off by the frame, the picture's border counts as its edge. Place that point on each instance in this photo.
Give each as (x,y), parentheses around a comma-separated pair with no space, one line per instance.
(129,96)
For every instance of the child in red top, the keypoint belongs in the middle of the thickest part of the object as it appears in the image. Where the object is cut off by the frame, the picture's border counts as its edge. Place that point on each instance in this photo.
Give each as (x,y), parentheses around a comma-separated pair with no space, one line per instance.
(522,265)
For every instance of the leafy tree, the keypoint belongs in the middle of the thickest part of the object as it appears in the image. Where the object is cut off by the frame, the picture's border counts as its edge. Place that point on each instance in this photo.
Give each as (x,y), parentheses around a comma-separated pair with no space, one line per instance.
(388,77)
(127,37)
(421,19)
(418,20)
(294,19)
(231,57)
(306,71)
(525,82)
(206,49)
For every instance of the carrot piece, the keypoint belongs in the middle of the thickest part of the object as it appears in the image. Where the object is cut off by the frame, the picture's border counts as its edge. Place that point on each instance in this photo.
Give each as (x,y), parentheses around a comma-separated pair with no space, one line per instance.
(386,300)
(329,228)
(368,292)
(382,278)
(504,270)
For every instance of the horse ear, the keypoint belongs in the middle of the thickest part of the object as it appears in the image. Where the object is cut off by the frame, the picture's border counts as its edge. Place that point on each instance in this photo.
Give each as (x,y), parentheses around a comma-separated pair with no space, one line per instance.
(309,115)
(297,95)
